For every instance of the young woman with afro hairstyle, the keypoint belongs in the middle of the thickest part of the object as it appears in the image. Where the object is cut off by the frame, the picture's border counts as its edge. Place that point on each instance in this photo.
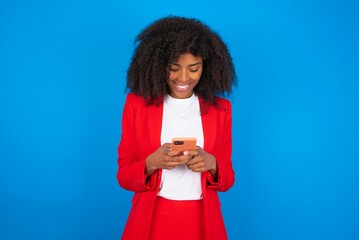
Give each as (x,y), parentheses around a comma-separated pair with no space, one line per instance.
(179,69)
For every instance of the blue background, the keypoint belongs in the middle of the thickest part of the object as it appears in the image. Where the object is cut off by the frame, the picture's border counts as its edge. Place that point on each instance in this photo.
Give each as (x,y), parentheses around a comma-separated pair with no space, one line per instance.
(295,115)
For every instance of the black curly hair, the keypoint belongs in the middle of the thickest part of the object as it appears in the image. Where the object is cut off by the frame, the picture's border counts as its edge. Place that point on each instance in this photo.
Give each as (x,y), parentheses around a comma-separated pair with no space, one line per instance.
(162,42)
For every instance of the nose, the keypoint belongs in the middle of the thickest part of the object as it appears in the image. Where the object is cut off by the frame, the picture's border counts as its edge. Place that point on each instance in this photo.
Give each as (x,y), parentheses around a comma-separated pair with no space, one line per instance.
(183,76)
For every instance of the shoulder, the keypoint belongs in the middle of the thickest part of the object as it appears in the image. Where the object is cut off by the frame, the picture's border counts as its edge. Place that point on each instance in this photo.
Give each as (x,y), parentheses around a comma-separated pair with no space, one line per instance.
(221,105)
(135,99)
(133,104)
(140,102)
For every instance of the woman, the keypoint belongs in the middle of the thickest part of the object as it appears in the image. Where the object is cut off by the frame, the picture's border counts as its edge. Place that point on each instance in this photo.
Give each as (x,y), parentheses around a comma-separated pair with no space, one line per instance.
(178,69)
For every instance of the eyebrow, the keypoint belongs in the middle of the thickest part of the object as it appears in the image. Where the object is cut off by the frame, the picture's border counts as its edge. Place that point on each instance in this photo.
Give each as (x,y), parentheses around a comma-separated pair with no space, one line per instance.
(191,65)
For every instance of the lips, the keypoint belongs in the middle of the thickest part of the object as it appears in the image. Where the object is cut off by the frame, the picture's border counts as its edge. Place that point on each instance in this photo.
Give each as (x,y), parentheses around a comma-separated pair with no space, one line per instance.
(181,87)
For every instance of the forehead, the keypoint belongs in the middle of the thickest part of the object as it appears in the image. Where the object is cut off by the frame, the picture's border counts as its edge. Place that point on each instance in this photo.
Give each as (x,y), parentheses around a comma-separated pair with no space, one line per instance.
(188,58)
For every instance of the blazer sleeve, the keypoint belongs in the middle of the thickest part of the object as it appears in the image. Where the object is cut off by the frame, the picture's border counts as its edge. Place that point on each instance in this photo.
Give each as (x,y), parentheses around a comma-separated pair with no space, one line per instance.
(131,168)
(223,153)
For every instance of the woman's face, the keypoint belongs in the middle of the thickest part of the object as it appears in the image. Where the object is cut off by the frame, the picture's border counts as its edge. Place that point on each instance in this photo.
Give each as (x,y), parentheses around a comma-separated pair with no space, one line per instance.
(184,75)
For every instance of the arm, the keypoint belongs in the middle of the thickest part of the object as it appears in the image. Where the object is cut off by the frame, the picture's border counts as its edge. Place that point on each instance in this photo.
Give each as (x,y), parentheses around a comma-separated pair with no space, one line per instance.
(131,173)
(138,168)
(223,178)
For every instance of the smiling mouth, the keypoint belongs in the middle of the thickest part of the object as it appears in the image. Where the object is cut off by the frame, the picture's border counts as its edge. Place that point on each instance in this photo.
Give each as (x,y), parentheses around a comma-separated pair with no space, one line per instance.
(181,87)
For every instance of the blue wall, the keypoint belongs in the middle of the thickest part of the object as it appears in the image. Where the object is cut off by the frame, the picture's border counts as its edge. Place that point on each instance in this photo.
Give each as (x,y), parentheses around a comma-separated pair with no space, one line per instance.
(295,115)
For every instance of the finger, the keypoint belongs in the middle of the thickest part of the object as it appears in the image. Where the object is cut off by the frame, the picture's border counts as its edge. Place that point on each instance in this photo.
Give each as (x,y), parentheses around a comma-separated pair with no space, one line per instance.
(175,161)
(167,145)
(180,160)
(165,148)
(201,151)
(167,159)
(200,164)
(170,164)
(173,153)
(191,153)
(195,160)
(198,169)
(183,159)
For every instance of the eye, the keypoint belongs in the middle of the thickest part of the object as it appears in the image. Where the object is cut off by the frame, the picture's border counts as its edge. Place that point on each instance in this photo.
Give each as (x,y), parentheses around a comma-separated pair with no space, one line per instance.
(194,70)
(174,69)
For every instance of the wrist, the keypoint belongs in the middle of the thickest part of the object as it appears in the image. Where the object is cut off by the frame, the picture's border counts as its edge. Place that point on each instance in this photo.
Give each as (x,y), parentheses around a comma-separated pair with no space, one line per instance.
(150,168)
(213,169)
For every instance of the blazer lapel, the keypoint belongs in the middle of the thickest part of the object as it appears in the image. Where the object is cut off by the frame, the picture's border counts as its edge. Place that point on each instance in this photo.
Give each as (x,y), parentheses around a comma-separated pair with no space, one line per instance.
(154,124)
(209,125)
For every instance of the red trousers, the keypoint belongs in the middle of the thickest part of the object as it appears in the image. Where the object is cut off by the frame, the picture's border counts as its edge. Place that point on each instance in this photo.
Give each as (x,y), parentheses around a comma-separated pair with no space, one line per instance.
(182,220)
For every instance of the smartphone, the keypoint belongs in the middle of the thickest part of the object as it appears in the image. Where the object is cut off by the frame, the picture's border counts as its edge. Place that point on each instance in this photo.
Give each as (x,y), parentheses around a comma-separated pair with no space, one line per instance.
(182,144)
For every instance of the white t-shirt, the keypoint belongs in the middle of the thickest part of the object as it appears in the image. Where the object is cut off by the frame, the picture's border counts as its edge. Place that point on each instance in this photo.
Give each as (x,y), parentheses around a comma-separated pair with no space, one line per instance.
(181,118)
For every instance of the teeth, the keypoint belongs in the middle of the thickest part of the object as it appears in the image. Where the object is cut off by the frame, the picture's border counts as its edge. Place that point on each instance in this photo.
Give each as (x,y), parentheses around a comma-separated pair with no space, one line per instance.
(182,87)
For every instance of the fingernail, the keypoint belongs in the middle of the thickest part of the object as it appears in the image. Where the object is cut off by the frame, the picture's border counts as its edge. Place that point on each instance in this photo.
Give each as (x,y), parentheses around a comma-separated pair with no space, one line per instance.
(185,153)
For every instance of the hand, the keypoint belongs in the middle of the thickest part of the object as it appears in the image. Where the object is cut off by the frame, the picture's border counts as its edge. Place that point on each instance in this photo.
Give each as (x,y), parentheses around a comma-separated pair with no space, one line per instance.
(202,161)
(165,158)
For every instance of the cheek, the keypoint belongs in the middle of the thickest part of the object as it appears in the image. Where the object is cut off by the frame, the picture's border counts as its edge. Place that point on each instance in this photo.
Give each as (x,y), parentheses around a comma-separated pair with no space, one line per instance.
(171,76)
(197,76)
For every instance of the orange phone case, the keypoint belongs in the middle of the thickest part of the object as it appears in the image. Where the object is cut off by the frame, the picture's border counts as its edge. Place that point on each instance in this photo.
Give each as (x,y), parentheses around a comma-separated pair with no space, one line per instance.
(182,144)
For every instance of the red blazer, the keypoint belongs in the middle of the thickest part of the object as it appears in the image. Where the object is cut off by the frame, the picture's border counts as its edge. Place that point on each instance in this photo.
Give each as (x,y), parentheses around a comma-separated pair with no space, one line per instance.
(141,133)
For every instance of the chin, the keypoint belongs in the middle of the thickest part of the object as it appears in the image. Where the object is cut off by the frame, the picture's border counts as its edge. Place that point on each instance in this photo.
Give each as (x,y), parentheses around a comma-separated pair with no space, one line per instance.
(184,95)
